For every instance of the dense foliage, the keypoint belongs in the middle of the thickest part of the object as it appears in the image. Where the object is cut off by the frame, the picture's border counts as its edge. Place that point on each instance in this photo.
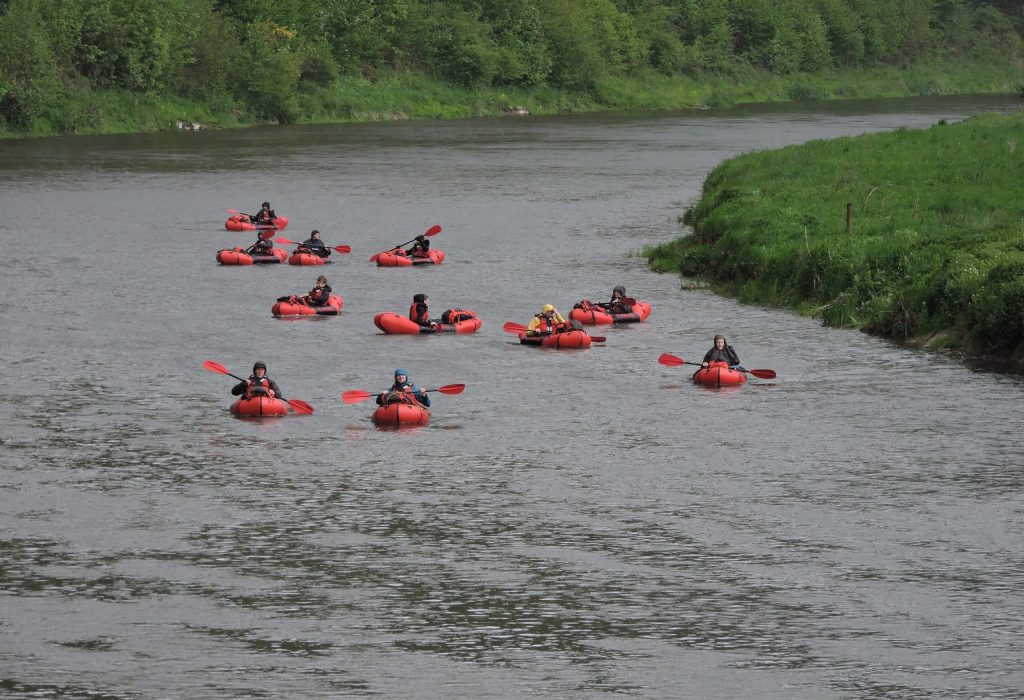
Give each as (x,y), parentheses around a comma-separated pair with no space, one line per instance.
(938,232)
(260,56)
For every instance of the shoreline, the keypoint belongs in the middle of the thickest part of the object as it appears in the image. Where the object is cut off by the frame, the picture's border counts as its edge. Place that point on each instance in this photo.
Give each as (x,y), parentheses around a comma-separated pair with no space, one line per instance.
(931,259)
(416,96)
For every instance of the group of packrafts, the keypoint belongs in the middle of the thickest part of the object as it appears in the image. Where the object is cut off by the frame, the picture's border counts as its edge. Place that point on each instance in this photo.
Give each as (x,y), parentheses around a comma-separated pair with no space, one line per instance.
(404,404)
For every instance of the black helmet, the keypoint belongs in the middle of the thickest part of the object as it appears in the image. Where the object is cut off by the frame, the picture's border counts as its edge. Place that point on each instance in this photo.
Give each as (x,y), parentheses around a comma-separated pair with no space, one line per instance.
(265,205)
(421,238)
(419,298)
(259,365)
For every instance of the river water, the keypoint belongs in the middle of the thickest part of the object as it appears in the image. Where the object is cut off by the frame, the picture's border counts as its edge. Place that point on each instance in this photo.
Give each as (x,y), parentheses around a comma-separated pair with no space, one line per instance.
(578,524)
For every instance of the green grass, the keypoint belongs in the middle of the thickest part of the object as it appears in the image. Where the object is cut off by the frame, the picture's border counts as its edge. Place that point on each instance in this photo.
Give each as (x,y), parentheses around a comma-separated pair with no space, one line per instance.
(417,96)
(937,248)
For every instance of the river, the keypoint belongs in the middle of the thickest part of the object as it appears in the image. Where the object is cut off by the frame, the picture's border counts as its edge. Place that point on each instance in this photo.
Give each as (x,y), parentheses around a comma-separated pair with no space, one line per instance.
(576,524)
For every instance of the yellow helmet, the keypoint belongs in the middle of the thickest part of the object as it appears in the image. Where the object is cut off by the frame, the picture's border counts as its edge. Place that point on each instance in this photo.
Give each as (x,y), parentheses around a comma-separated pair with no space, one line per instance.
(548,307)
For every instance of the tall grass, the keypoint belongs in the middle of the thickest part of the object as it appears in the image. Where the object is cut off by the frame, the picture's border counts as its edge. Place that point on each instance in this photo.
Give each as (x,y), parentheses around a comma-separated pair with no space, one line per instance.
(937,242)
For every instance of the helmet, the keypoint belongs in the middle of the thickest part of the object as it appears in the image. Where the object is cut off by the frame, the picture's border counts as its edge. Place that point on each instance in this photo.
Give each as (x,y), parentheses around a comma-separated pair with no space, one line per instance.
(620,290)
(259,365)
(402,372)
(265,205)
(421,238)
(548,307)
(419,298)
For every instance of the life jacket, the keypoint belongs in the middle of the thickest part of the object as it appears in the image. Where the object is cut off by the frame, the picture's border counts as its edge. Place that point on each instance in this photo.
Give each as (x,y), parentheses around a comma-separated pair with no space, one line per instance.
(404,393)
(418,313)
(586,305)
(253,383)
(546,324)
(319,294)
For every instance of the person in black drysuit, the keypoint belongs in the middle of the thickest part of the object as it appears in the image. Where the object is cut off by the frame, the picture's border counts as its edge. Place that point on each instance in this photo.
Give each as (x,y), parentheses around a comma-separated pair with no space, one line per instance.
(262,246)
(314,245)
(617,305)
(259,384)
(403,390)
(265,217)
(721,352)
(418,311)
(420,249)
(319,295)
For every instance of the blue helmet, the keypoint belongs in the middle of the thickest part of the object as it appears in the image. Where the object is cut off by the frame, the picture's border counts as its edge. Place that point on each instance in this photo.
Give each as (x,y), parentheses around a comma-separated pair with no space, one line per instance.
(402,372)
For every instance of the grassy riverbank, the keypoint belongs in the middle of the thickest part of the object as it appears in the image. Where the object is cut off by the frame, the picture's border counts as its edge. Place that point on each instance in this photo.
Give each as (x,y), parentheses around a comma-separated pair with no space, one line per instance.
(936,255)
(416,96)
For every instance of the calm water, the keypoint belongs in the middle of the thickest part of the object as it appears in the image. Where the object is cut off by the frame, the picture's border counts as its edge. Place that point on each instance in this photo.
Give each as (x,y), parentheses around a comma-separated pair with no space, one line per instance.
(576,524)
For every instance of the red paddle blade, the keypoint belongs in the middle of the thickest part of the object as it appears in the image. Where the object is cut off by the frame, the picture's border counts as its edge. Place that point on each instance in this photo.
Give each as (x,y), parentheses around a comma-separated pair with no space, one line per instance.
(233,211)
(670,360)
(629,301)
(452,388)
(300,406)
(215,367)
(284,241)
(433,230)
(355,396)
(373,258)
(343,248)
(511,327)
(763,373)
(265,234)
(597,339)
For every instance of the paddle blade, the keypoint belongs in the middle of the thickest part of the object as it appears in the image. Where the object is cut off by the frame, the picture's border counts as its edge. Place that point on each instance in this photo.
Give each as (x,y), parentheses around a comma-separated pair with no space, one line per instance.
(452,388)
(763,373)
(629,301)
(597,339)
(373,258)
(355,396)
(300,406)
(233,211)
(265,234)
(511,327)
(433,230)
(215,367)
(284,241)
(343,248)
(670,360)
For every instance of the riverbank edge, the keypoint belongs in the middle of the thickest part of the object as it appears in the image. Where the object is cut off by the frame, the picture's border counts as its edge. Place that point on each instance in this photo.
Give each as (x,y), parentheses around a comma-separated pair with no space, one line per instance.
(700,264)
(417,96)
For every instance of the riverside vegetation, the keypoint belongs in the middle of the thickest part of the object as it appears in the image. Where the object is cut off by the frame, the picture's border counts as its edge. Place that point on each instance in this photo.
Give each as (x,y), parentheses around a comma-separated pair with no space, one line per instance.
(101,66)
(936,252)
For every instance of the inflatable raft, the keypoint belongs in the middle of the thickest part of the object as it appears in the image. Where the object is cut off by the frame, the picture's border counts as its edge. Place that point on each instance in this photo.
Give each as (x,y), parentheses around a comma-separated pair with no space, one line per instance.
(718,374)
(398,258)
(238,256)
(463,321)
(259,406)
(399,414)
(300,257)
(564,340)
(297,308)
(239,222)
(592,314)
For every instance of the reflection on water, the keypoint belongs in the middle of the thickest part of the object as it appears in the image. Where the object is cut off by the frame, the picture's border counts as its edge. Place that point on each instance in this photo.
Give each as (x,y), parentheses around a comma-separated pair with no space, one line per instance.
(576,524)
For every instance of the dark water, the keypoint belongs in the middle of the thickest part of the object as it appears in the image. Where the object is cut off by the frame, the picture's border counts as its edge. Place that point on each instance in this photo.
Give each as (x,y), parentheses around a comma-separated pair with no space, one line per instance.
(576,524)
